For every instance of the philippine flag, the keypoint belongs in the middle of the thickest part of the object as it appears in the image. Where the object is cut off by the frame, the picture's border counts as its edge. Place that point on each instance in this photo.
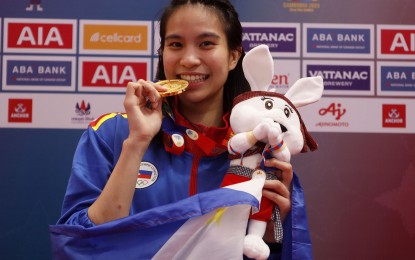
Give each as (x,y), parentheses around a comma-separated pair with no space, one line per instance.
(210,225)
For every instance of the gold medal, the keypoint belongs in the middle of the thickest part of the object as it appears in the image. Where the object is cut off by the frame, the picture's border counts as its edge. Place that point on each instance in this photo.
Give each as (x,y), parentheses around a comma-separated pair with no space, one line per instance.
(174,87)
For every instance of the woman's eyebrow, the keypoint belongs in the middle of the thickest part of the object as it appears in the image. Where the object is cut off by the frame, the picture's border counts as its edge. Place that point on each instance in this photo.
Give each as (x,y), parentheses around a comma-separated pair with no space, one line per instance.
(201,36)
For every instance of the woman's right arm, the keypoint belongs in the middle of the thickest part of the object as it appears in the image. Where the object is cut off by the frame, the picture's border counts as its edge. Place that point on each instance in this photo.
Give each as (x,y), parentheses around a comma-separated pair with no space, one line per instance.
(143,107)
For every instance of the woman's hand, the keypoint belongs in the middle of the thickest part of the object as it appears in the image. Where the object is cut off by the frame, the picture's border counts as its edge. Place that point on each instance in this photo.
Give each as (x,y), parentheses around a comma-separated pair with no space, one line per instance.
(278,191)
(143,106)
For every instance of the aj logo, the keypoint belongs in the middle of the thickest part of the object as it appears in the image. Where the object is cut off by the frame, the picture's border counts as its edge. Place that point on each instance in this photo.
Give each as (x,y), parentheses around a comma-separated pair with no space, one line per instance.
(334,109)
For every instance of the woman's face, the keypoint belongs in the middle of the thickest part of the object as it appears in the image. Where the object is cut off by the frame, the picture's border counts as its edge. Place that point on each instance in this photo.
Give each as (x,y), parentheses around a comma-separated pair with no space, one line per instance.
(196,50)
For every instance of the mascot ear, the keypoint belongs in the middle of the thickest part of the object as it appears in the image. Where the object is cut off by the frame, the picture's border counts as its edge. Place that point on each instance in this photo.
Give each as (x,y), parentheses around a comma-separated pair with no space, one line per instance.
(258,67)
(305,91)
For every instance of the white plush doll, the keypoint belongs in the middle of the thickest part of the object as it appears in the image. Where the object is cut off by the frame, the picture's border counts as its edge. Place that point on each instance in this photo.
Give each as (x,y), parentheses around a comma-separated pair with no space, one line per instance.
(266,124)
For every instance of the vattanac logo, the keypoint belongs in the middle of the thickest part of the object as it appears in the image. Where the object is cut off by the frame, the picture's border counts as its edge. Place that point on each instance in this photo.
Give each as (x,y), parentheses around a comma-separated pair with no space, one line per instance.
(301,6)
(83,112)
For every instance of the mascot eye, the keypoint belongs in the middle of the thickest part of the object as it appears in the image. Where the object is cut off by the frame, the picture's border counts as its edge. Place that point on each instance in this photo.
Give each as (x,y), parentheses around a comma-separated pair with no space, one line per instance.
(287,111)
(269,104)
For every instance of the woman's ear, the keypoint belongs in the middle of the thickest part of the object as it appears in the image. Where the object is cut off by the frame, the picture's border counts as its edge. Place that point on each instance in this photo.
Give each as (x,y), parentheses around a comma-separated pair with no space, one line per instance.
(234,57)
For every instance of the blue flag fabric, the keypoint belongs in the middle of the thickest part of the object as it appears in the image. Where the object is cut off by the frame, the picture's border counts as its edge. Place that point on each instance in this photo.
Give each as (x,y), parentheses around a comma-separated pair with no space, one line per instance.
(208,225)
(190,228)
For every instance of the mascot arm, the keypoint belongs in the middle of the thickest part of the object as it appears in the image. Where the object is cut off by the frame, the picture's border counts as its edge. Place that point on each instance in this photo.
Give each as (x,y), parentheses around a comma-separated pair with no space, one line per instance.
(241,142)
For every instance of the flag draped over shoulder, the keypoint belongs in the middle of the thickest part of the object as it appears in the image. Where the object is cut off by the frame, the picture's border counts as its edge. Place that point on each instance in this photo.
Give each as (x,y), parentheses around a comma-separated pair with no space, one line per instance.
(207,225)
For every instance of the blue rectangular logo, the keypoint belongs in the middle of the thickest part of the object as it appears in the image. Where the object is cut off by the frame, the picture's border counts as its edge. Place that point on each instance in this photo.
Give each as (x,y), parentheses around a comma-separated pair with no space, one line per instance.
(338,40)
(397,78)
(39,73)
(278,39)
(342,77)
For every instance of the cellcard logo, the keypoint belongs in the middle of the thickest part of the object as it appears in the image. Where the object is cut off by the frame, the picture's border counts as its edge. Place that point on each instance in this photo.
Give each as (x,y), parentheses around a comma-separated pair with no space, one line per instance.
(328,39)
(301,6)
(20,111)
(282,39)
(104,74)
(40,35)
(394,115)
(115,36)
(396,41)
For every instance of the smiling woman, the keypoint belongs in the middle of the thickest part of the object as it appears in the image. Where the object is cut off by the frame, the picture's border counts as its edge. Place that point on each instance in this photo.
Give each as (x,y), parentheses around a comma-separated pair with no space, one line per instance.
(183,137)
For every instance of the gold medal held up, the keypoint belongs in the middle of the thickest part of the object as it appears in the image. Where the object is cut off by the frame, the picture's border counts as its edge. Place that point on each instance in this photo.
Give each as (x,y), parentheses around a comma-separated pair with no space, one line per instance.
(174,87)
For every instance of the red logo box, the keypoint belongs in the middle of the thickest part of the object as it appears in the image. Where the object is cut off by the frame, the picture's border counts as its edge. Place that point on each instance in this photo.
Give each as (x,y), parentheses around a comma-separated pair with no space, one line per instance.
(394,115)
(398,41)
(20,111)
(40,35)
(112,74)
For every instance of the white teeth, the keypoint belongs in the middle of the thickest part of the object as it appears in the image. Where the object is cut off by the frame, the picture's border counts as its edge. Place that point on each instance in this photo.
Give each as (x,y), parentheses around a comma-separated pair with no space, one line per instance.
(193,78)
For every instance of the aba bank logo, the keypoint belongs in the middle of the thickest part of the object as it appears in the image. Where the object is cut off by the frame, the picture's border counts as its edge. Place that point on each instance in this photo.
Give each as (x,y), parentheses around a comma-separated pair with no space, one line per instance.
(339,40)
(107,73)
(279,38)
(38,73)
(396,40)
(302,6)
(83,113)
(333,111)
(115,37)
(40,35)
(394,115)
(342,77)
(397,78)
(20,111)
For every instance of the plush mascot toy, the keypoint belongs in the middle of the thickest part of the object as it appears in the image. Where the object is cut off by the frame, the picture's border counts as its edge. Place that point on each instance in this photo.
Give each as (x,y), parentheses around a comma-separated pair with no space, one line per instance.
(266,124)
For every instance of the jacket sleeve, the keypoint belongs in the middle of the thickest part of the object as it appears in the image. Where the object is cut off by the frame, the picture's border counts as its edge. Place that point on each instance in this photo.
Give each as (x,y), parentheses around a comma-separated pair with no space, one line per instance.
(92,165)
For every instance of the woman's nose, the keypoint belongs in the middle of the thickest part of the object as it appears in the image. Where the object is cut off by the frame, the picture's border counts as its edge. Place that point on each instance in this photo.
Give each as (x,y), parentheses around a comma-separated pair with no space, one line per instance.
(190,58)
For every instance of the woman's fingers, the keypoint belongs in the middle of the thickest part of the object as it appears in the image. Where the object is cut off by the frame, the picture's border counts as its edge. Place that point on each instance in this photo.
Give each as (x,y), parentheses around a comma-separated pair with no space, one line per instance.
(286,170)
(143,92)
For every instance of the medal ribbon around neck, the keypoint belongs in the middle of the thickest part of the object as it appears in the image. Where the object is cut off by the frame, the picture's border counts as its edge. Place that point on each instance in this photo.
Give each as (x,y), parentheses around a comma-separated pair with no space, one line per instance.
(173,136)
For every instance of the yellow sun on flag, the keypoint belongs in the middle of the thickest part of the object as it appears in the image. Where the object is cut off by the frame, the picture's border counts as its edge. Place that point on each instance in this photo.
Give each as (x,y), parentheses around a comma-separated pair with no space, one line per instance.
(218,215)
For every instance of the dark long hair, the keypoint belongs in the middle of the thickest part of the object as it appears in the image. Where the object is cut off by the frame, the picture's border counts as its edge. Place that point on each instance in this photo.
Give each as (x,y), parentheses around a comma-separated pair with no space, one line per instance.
(236,82)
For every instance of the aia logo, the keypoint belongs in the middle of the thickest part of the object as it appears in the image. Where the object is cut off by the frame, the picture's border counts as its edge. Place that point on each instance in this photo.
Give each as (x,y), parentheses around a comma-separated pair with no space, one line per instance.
(35,35)
(334,109)
(20,111)
(394,115)
(83,109)
(398,41)
(107,74)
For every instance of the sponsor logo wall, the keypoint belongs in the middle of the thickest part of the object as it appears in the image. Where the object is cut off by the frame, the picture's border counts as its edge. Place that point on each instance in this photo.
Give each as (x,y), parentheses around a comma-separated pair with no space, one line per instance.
(64,73)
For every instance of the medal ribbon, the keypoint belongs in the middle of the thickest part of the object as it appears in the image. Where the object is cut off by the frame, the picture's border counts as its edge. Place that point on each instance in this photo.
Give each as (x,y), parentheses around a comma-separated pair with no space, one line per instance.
(171,130)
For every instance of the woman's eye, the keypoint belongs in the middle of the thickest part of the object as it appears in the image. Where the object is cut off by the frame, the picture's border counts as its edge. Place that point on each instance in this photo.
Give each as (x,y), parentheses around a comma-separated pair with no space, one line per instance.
(175,44)
(269,104)
(206,44)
